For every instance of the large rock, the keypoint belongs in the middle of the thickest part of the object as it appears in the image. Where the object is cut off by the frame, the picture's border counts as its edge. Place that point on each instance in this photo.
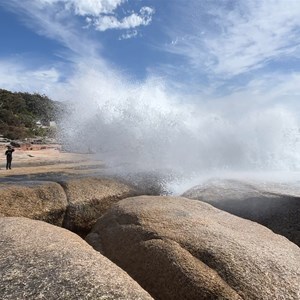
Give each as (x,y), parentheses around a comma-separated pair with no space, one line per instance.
(40,200)
(41,261)
(178,248)
(90,198)
(274,205)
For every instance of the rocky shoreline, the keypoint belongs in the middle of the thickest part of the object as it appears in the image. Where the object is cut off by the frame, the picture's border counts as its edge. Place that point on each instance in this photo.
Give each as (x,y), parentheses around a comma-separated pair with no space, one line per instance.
(223,239)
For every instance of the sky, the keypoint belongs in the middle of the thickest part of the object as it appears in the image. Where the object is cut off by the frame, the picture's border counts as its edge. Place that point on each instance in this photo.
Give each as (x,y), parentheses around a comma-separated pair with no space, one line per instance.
(226,62)
(208,48)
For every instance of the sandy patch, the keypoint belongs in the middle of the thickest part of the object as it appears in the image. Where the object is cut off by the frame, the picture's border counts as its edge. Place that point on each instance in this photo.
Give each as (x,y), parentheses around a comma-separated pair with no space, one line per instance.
(48,160)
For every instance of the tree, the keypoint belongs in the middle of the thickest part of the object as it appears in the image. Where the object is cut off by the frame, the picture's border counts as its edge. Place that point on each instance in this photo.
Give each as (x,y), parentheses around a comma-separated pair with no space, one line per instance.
(19,113)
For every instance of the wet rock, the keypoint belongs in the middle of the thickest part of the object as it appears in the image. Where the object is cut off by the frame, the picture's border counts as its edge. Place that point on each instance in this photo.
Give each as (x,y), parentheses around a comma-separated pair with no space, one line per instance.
(148,183)
(274,205)
(89,199)
(40,200)
(178,248)
(42,261)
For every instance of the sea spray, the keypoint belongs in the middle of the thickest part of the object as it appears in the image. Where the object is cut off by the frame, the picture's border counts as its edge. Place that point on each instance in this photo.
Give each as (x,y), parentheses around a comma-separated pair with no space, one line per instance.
(145,127)
(144,136)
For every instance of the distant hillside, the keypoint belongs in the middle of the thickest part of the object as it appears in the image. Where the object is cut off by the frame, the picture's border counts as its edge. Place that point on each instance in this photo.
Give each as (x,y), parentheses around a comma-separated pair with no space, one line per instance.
(20,112)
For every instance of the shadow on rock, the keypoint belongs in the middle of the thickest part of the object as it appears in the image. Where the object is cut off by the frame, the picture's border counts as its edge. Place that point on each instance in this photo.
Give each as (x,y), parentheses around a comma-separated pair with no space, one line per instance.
(274,205)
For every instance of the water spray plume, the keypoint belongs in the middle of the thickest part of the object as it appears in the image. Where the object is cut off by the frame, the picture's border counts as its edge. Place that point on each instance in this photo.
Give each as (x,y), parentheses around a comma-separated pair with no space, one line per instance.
(145,127)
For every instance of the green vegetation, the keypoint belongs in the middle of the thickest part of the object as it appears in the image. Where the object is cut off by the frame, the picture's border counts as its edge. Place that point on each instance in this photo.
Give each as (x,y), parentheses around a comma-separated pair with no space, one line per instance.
(20,112)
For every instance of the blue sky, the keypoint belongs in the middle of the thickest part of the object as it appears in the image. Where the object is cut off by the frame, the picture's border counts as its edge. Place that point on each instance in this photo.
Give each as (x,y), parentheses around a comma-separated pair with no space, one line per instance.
(201,49)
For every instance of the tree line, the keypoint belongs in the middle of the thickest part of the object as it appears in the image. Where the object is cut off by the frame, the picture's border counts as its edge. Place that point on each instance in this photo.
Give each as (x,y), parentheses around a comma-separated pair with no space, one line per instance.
(20,112)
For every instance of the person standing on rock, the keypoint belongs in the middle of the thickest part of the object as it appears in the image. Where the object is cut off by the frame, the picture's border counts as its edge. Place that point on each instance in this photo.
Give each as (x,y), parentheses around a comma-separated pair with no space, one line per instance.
(8,154)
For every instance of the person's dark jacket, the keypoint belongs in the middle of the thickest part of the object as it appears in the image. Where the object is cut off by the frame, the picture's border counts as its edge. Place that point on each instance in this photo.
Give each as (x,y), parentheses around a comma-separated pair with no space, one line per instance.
(8,153)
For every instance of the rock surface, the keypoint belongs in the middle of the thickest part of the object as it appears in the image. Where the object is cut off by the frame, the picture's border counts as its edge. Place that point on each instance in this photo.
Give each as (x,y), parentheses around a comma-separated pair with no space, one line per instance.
(42,261)
(274,205)
(89,199)
(178,248)
(40,200)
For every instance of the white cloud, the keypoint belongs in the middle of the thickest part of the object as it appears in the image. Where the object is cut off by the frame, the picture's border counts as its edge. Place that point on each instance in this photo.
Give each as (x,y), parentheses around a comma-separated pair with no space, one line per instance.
(231,38)
(102,13)
(16,76)
(128,35)
(94,8)
(86,7)
(134,20)
(54,23)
